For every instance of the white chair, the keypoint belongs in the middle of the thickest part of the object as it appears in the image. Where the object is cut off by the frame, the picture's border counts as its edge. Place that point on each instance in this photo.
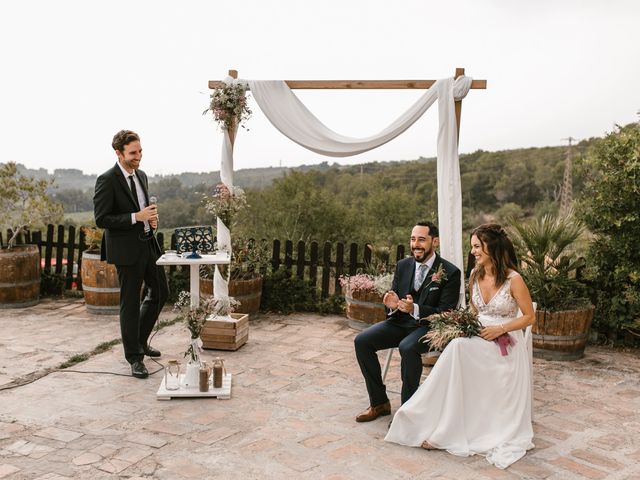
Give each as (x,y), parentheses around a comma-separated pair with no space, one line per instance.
(528,341)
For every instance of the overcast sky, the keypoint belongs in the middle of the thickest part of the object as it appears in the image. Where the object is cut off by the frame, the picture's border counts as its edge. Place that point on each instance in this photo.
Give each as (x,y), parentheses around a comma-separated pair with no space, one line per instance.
(75,72)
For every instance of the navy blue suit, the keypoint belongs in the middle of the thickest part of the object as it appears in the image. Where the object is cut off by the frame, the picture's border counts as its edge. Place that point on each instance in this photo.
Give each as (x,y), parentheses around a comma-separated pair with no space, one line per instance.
(402,330)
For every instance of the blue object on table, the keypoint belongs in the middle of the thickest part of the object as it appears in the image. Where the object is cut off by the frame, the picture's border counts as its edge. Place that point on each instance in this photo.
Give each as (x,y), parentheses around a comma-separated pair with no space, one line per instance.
(195,239)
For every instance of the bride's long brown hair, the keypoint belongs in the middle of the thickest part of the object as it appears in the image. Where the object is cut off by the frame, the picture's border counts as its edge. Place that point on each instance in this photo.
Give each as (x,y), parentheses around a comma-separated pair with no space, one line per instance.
(497,244)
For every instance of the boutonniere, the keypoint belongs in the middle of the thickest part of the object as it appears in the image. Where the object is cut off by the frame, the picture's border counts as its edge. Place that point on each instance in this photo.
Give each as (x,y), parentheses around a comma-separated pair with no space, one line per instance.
(439,275)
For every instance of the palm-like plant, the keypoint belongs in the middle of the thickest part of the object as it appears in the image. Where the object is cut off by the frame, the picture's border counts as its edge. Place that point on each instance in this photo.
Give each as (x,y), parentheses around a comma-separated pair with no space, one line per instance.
(544,247)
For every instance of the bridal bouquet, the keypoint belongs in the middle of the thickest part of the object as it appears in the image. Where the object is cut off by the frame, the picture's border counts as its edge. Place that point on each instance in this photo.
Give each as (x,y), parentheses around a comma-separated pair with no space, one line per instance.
(464,322)
(446,326)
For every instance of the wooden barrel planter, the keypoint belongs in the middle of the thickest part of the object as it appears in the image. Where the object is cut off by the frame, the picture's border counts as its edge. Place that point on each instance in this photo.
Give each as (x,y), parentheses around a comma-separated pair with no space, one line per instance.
(364,308)
(100,285)
(561,335)
(19,276)
(247,292)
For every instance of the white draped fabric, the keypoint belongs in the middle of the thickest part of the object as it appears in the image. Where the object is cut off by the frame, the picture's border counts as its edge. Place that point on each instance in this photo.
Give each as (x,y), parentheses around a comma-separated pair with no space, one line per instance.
(289,115)
(223,235)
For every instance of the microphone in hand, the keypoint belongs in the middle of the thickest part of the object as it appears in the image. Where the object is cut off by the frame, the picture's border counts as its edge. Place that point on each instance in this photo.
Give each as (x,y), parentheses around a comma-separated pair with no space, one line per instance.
(153,200)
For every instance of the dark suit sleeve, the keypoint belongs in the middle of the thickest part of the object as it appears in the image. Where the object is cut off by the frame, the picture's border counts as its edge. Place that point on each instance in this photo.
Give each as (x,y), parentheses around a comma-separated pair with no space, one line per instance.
(448,297)
(394,286)
(104,206)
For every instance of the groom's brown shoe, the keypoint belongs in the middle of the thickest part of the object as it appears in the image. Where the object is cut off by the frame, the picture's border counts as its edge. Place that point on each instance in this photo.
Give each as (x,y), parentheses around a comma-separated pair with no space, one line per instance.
(372,413)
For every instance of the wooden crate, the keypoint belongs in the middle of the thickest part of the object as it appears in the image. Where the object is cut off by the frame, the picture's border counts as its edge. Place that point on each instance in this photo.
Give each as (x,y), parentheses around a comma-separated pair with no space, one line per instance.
(225,334)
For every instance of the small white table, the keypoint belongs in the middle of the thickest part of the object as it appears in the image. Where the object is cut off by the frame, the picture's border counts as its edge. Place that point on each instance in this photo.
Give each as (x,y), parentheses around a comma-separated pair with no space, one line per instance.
(220,258)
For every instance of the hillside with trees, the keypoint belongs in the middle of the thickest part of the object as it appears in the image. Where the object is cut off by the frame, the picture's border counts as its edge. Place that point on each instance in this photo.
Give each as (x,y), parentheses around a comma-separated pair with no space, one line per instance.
(369,202)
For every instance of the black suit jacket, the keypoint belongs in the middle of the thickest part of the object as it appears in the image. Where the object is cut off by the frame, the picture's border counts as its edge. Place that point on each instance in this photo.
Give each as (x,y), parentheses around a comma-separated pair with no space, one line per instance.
(113,204)
(433,297)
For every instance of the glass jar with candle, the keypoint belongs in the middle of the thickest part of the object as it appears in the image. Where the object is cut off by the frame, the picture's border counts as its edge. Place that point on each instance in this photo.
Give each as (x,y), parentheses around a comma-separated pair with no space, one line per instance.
(172,375)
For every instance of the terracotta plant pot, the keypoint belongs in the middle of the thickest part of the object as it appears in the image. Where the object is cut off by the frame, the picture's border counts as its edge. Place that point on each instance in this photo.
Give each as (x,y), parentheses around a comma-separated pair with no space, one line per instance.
(19,276)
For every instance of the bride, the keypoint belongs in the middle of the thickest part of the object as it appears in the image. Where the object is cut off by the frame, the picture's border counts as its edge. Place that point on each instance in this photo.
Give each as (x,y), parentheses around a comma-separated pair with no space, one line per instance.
(477,400)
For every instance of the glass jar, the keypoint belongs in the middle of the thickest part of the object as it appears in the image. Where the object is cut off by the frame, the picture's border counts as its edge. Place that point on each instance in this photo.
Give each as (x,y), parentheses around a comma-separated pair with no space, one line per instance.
(218,372)
(205,377)
(172,375)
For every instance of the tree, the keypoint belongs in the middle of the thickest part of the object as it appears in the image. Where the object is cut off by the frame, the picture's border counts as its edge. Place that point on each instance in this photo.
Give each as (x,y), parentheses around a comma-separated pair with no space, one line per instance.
(24,202)
(610,207)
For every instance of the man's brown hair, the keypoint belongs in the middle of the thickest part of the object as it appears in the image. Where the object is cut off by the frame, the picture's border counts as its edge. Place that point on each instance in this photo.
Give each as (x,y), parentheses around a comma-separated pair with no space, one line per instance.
(123,138)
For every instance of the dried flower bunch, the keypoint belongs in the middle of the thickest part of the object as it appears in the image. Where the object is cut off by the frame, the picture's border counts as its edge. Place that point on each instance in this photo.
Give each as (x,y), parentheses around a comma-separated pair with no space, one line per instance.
(446,326)
(225,202)
(229,105)
(93,238)
(195,317)
(365,283)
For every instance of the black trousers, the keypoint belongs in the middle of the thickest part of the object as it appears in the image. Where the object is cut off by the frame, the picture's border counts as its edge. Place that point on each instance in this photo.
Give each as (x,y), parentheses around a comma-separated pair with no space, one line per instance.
(388,334)
(137,318)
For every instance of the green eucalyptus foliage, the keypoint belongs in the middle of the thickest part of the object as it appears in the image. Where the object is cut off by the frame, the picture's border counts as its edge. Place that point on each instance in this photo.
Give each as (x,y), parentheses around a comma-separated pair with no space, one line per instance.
(610,207)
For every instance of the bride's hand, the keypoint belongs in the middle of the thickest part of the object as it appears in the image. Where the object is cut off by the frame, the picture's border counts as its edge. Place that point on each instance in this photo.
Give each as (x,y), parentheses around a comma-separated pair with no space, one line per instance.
(491,332)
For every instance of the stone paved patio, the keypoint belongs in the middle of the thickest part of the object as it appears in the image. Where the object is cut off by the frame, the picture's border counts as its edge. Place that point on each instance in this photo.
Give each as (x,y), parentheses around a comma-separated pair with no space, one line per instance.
(296,390)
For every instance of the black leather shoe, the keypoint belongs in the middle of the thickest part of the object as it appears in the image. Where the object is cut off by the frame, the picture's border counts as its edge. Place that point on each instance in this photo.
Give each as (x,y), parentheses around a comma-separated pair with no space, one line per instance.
(138,370)
(152,352)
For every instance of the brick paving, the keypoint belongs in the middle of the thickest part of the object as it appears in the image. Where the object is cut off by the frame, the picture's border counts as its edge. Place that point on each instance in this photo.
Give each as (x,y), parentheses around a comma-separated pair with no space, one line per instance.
(296,391)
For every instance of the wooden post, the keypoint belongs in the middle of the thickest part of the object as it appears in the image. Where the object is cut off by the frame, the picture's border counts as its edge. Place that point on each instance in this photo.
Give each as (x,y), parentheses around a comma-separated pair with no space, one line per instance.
(458,104)
(234,129)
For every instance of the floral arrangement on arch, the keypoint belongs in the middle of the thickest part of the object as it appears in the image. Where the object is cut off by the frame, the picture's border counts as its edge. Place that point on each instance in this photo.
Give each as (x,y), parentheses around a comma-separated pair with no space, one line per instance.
(225,202)
(229,105)
(196,317)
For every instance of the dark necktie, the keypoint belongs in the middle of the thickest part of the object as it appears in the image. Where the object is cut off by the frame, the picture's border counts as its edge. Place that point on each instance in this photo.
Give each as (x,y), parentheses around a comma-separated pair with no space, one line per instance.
(134,190)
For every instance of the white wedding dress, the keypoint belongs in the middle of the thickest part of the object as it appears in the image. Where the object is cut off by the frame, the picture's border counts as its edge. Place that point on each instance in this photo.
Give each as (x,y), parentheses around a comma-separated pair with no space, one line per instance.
(474,401)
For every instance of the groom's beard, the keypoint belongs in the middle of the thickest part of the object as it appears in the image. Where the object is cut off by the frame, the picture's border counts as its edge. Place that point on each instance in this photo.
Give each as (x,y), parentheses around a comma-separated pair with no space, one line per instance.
(423,257)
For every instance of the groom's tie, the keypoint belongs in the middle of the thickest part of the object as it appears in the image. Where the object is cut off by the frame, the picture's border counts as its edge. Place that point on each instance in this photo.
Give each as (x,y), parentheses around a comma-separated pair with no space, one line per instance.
(420,274)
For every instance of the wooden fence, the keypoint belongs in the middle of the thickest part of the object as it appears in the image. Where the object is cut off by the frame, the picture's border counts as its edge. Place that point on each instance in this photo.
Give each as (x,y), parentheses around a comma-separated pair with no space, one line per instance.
(61,253)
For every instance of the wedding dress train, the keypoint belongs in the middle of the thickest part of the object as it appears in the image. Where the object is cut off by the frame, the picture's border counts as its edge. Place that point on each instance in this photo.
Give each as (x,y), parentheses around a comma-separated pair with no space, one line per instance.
(475,400)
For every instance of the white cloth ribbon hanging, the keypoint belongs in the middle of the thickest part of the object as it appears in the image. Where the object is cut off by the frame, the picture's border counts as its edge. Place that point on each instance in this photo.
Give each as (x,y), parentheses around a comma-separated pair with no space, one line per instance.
(289,115)
(223,235)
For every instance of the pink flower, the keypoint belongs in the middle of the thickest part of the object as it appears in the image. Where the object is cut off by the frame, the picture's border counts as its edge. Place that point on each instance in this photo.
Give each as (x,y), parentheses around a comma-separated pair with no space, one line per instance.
(439,275)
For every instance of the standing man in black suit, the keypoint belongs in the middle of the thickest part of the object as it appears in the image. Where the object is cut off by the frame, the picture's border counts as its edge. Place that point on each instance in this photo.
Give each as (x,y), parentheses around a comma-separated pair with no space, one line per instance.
(423,284)
(122,208)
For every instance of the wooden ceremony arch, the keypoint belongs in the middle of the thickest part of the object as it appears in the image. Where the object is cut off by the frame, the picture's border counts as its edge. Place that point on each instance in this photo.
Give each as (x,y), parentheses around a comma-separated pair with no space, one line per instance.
(357,85)
(361,85)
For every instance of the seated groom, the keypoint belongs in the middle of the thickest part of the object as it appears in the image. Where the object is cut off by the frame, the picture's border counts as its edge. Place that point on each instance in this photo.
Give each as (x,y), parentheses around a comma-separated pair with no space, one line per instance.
(423,284)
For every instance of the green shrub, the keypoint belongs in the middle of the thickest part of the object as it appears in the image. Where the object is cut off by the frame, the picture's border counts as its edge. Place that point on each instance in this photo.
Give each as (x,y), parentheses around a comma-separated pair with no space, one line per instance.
(286,293)
(178,281)
(51,284)
(610,207)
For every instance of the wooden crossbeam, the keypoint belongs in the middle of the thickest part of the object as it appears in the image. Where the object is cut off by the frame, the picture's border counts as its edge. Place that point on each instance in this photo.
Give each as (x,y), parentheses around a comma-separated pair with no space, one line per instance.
(360,84)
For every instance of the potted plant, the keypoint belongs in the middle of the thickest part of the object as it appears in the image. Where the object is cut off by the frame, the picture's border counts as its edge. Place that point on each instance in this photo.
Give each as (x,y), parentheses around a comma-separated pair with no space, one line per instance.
(248,259)
(23,202)
(363,292)
(549,265)
(100,285)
